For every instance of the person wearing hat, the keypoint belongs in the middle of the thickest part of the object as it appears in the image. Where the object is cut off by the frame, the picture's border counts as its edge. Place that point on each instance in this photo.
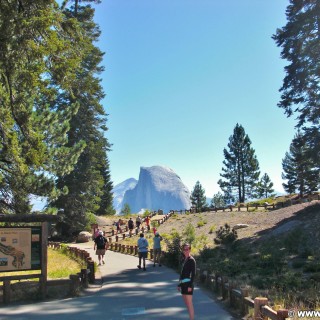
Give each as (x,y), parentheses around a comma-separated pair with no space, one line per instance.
(100,245)
(157,249)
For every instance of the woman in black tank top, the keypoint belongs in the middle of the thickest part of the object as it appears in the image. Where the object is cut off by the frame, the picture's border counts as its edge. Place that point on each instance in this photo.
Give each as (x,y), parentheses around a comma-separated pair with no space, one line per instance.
(186,279)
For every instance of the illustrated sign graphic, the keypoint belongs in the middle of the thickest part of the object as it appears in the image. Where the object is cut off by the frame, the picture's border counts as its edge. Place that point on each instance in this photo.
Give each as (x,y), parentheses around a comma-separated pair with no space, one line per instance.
(20,249)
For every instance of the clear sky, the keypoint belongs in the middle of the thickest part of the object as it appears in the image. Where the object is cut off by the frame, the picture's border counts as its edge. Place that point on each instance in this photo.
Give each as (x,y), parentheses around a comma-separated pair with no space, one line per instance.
(180,74)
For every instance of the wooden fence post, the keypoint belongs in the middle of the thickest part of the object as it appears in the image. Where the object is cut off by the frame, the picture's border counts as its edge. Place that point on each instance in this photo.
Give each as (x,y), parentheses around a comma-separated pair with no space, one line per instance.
(244,307)
(91,275)
(74,284)
(84,278)
(258,303)
(6,291)
(224,291)
(282,314)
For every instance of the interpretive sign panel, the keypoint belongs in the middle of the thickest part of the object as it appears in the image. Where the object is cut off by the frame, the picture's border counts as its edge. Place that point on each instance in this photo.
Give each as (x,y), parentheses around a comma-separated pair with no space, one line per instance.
(20,248)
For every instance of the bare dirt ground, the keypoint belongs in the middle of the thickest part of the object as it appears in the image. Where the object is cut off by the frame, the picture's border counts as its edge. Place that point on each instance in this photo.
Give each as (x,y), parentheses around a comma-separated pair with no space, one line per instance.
(258,222)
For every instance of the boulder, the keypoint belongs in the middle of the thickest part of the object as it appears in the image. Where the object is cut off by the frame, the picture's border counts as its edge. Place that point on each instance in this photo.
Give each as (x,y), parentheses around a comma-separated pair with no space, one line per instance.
(84,236)
(240,226)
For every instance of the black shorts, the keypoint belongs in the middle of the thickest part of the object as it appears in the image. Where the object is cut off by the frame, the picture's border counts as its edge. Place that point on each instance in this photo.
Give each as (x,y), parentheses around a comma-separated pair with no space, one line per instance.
(143,255)
(184,289)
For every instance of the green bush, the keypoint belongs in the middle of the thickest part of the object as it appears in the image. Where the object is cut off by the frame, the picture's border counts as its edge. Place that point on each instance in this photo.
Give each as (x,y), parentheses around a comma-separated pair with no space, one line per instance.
(225,235)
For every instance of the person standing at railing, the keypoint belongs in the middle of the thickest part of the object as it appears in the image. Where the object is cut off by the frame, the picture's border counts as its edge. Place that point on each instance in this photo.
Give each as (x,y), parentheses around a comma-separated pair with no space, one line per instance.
(186,279)
(143,250)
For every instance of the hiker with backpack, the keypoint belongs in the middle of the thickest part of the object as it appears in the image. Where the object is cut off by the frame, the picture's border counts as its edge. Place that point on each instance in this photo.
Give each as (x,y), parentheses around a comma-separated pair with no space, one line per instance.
(100,245)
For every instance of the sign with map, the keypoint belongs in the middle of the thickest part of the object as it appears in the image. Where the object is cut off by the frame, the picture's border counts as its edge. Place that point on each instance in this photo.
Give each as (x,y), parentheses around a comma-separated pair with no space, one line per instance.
(20,248)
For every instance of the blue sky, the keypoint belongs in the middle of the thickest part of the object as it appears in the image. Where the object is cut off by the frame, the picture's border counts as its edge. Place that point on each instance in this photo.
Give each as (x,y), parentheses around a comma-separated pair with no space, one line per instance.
(180,74)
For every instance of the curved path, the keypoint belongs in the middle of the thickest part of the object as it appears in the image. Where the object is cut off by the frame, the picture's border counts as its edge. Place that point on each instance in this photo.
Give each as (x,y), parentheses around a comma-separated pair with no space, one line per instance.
(124,293)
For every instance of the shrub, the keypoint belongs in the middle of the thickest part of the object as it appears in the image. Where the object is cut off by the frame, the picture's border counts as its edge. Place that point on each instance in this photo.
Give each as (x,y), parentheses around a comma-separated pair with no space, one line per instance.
(212,228)
(201,223)
(225,235)
(173,254)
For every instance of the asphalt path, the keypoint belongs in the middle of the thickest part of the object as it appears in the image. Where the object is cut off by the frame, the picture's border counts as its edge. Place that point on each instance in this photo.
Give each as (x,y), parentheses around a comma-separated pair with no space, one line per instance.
(124,293)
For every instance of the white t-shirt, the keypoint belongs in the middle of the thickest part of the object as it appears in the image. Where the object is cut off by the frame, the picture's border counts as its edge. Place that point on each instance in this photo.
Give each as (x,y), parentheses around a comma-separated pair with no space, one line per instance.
(143,245)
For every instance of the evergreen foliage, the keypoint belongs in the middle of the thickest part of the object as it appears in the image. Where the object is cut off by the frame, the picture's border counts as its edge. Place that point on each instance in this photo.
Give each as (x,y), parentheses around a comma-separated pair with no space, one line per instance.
(300,43)
(89,185)
(265,187)
(218,200)
(52,125)
(198,198)
(39,53)
(225,235)
(126,209)
(189,234)
(298,169)
(241,168)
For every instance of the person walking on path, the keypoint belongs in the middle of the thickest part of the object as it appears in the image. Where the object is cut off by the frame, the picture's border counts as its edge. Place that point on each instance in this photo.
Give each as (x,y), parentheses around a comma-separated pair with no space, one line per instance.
(118,226)
(100,245)
(130,226)
(147,221)
(157,249)
(186,279)
(143,250)
(138,222)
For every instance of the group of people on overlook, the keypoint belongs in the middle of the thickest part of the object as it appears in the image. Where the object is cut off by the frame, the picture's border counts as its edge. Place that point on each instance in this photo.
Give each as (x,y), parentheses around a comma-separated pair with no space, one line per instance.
(188,270)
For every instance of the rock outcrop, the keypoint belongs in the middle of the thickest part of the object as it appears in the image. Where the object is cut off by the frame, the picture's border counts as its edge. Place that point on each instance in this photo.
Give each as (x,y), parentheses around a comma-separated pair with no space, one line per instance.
(158,187)
(119,190)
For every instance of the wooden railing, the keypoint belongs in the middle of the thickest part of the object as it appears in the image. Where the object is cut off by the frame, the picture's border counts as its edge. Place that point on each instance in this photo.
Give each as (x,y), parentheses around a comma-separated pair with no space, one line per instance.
(238,297)
(266,206)
(124,231)
(86,275)
(75,281)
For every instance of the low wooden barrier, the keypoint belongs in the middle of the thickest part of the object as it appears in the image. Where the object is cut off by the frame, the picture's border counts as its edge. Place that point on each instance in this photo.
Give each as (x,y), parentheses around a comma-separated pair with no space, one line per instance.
(247,207)
(239,299)
(75,282)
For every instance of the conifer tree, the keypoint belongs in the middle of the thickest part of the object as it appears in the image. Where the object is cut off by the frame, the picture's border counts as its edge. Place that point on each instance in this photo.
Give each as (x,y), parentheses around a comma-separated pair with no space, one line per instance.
(298,170)
(89,184)
(265,187)
(198,198)
(241,167)
(218,200)
(300,43)
(39,52)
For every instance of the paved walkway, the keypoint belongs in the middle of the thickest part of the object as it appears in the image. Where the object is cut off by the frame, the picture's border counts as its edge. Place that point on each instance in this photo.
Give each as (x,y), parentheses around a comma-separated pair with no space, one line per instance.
(124,293)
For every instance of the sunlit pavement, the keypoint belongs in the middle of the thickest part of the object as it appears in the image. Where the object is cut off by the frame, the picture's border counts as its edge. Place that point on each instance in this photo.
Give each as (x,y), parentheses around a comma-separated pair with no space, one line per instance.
(125,293)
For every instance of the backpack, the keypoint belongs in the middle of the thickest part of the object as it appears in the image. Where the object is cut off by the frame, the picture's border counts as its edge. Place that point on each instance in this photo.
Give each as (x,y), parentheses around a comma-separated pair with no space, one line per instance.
(100,242)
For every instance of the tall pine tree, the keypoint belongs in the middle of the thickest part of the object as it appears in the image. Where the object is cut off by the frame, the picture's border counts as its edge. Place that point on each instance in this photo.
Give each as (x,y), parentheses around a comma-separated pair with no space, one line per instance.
(300,43)
(198,198)
(265,187)
(241,167)
(89,184)
(298,169)
(38,56)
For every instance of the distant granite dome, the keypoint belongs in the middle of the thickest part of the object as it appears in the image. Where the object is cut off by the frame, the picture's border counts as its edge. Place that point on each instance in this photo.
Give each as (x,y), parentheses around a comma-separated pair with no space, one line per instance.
(119,191)
(158,187)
